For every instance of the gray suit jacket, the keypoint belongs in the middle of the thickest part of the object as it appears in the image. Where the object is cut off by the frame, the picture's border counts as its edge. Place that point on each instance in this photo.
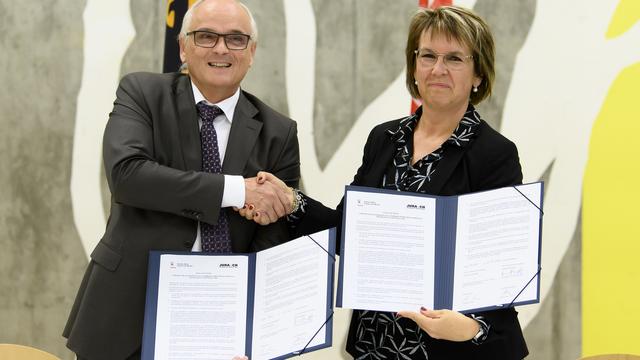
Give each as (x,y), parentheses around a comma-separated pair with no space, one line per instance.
(153,162)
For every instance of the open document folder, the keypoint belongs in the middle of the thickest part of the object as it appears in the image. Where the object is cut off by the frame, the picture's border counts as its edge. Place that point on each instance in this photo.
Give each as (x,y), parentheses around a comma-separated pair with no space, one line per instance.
(273,304)
(479,251)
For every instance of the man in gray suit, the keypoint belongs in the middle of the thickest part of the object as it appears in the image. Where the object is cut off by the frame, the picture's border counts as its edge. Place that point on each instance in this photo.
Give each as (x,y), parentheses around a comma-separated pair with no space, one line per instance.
(179,151)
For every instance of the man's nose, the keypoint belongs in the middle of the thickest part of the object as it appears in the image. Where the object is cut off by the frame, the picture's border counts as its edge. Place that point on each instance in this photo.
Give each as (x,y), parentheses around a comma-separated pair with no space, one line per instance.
(221,46)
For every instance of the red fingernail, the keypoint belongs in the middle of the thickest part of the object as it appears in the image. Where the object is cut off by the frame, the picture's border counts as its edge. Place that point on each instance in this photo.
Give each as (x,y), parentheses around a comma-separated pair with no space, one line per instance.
(250,207)
(423,308)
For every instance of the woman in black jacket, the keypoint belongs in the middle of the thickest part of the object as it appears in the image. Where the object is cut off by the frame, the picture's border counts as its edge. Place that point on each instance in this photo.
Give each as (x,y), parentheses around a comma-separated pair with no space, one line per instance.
(444,148)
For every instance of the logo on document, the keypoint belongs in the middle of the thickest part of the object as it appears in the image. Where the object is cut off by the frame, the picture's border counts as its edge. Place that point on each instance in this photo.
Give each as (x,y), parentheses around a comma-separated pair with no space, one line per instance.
(228,266)
(416,207)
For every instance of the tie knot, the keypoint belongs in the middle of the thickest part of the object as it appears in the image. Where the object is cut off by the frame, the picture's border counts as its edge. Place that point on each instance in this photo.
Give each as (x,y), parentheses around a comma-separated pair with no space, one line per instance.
(208,112)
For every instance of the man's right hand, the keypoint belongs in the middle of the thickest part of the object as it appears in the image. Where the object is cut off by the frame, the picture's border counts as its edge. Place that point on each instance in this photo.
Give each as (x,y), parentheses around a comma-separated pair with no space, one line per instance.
(267,199)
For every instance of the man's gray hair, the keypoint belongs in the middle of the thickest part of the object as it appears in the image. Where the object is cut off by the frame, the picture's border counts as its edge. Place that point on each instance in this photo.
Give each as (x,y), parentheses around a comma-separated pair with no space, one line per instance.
(186,21)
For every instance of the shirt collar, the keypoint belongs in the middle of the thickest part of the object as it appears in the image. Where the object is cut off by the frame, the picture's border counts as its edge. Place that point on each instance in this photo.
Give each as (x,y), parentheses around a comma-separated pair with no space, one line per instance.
(228,105)
(461,136)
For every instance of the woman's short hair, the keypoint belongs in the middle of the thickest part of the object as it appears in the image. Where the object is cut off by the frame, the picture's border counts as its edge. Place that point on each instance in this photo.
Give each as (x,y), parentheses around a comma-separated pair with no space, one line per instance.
(465,27)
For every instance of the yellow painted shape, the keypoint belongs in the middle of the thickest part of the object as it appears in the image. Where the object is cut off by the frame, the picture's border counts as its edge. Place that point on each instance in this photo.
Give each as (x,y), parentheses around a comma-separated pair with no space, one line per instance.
(611,224)
(627,13)
(171,15)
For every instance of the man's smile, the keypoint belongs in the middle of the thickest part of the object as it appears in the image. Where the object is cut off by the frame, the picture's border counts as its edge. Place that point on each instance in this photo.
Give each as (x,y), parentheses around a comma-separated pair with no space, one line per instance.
(219,64)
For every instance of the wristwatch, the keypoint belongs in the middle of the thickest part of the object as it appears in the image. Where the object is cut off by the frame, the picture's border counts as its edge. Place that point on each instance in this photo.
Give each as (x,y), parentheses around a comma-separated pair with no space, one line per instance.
(297,200)
(483,331)
(479,334)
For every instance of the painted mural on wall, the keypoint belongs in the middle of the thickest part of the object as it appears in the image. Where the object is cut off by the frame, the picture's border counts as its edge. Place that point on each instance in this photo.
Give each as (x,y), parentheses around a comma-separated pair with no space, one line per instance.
(567,74)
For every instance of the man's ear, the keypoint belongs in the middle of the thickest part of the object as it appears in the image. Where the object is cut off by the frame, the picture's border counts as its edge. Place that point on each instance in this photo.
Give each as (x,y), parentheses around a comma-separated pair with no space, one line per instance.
(253,51)
(181,43)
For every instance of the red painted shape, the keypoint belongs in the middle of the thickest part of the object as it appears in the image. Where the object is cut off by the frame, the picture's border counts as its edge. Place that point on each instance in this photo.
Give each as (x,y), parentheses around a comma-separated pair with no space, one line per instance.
(434,3)
(438,3)
(415,104)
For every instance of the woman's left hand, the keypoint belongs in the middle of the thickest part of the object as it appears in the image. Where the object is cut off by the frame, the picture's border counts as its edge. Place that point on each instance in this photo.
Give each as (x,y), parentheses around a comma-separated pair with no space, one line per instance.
(444,324)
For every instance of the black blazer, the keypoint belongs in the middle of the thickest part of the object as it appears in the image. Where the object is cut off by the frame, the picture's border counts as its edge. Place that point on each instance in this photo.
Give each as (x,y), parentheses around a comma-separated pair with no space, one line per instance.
(489,162)
(152,160)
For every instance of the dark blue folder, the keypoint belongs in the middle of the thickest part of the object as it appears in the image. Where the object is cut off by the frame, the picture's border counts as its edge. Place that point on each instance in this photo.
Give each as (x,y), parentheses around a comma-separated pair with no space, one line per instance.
(445,248)
(151,306)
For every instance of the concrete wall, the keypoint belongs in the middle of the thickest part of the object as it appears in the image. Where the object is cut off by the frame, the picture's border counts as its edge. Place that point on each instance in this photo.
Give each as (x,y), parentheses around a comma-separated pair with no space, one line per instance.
(336,67)
(42,257)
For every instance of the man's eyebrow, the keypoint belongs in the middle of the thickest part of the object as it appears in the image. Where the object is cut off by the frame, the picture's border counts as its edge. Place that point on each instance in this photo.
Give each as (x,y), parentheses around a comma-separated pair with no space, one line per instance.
(221,33)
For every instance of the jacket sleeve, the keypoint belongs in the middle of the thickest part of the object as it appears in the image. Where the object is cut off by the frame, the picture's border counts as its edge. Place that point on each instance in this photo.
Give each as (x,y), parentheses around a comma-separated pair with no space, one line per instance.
(133,173)
(287,165)
(497,167)
(318,217)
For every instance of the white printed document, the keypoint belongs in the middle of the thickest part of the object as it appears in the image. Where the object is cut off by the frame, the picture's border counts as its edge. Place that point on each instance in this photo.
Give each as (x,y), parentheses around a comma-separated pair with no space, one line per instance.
(273,304)
(479,251)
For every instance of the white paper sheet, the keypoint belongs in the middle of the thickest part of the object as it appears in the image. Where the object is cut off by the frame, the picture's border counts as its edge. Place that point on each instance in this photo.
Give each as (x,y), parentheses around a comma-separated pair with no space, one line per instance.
(205,303)
(390,244)
(497,243)
(291,297)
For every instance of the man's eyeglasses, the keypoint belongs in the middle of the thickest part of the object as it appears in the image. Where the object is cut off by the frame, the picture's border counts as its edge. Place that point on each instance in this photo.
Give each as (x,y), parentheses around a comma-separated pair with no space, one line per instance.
(452,61)
(209,39)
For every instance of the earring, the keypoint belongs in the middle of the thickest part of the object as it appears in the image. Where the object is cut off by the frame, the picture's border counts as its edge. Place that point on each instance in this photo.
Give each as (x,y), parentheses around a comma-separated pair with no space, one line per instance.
(475,89)
(415,82)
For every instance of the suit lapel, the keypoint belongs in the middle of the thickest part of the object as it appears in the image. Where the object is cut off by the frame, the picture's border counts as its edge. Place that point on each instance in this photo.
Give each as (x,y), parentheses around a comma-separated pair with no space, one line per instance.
(244,132)
(188,124)
(445,169)
(449,163)
(381,162)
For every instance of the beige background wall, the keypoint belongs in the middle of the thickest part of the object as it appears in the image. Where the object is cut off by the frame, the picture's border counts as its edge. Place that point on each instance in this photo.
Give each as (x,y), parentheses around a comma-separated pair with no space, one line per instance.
(336,67)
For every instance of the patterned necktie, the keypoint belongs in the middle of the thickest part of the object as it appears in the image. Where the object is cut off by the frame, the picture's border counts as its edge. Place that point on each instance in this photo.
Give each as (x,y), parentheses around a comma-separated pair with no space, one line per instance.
(215,238)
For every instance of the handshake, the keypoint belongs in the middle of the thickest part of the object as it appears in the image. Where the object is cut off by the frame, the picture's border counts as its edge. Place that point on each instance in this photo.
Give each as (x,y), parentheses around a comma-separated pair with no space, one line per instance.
(267,199)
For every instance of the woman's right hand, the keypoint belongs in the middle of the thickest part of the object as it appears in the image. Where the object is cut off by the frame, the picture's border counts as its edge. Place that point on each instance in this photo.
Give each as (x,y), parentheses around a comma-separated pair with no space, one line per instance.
(264,176)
